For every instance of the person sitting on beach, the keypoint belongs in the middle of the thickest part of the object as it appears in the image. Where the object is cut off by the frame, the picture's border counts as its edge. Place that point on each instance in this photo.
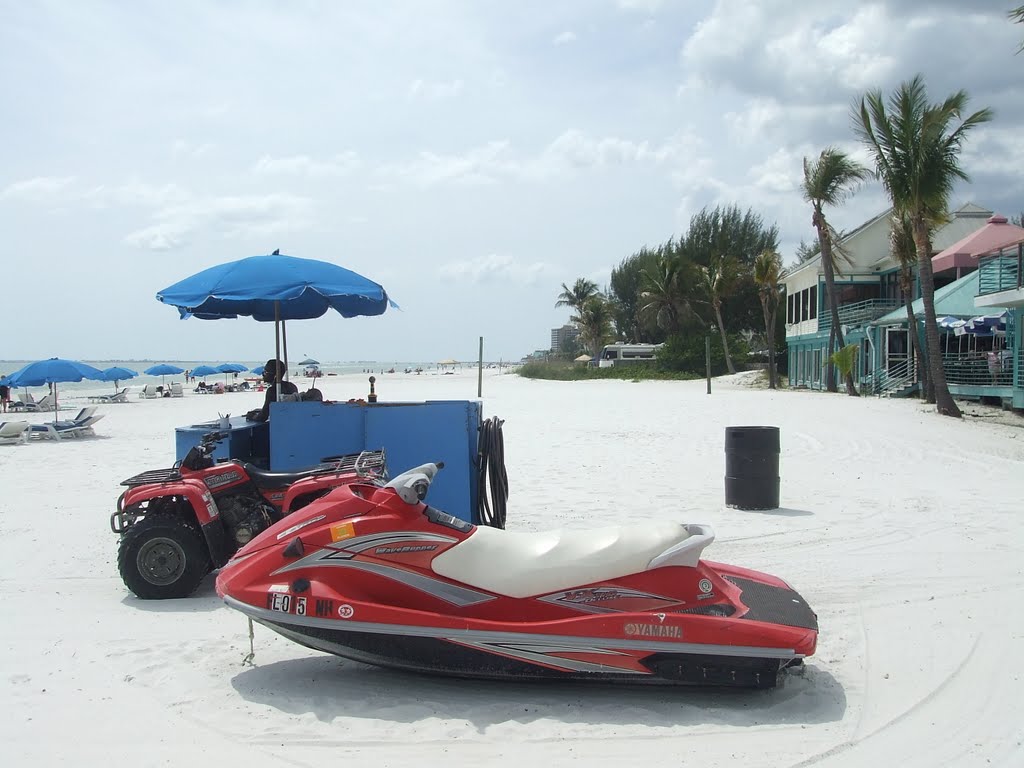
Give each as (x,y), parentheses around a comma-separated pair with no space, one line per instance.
(271,373)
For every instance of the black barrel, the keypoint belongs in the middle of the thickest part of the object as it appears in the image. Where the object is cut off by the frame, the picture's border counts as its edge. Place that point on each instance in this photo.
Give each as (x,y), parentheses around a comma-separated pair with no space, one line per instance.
(752,467)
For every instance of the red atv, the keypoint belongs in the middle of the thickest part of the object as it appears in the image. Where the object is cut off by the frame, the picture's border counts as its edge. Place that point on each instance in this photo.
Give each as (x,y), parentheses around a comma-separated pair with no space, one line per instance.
(178,524)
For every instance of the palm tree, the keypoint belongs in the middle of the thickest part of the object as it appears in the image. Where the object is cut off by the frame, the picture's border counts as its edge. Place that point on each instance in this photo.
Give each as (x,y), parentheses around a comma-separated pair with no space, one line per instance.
(829,180)
(916,148)
(595,323)
(716,281)
(663,296)
(1017,16)
(575,297)
(904,252)
(767,275)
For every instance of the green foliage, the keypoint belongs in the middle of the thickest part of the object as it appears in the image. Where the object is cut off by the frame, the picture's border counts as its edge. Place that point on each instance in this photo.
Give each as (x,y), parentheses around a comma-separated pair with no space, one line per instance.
(561,371)
(845,359)
(686,354)
(626,286)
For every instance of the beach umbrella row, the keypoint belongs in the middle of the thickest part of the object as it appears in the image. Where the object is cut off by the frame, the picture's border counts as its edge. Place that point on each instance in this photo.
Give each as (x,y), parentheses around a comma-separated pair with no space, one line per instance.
(54,370)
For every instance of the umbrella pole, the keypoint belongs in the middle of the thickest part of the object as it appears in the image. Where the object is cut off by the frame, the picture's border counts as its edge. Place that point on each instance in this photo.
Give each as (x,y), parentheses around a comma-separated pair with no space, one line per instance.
(277,349)
(284,344)
(55,402)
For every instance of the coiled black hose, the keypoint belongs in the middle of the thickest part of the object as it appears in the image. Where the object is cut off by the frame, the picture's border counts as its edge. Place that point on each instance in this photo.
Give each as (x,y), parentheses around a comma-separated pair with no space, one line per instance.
(492,480)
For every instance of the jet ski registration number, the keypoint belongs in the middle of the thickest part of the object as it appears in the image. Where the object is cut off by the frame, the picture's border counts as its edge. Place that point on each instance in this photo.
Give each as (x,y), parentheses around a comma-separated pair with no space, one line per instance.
(285,603)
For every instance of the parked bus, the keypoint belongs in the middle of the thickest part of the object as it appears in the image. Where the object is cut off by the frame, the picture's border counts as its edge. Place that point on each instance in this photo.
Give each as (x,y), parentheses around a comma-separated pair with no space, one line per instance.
(623,354)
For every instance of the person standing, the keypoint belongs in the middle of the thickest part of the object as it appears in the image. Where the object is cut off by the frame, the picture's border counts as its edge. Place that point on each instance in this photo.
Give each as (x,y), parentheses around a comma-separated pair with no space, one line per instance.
(5,396)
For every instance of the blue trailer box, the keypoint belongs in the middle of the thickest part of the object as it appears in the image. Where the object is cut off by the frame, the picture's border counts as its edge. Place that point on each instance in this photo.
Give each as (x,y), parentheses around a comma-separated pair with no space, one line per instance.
(413,433)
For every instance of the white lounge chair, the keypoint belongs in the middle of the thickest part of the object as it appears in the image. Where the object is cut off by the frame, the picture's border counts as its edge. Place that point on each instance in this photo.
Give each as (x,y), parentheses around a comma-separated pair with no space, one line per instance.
(14,432)
(117,397)
(176,390)
(149,391)
(61,430)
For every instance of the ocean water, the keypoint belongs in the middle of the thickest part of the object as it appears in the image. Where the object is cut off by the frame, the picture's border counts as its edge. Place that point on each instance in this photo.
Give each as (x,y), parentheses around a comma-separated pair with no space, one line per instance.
(358,366)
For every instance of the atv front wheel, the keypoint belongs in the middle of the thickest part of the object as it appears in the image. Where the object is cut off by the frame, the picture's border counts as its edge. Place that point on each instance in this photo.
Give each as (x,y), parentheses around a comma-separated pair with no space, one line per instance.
(163,556)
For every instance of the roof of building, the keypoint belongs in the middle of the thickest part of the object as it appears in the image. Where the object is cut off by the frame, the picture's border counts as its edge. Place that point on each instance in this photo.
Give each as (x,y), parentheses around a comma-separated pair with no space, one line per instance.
(997,233)
(956,299)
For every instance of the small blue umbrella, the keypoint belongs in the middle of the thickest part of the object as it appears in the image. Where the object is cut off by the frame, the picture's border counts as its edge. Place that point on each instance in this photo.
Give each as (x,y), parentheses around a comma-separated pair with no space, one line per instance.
(204,370)
(163,369)
(117,374)
(53,371)
(231,368)
(258,370)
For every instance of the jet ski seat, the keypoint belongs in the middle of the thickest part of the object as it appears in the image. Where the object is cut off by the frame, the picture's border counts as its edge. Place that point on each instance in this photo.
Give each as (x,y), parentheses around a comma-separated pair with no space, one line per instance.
(526,564)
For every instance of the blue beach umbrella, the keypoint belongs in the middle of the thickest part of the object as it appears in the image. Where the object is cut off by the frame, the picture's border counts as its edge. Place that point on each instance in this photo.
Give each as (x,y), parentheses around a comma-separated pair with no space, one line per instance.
(53,371)
(276,288)
(227,368)
(204,370)
(117,374)
(163,369)
(258,370)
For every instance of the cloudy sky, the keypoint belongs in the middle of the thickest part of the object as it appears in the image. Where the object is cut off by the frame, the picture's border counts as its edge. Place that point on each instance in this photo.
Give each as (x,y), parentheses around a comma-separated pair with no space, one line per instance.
(469,156)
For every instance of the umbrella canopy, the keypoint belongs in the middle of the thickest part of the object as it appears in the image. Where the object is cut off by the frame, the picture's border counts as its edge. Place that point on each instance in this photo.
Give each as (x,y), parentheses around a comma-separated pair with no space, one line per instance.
(231,368)
(449,361)
(258,370)
(275,287)
(53,371)
(163,369)
(204,370)
(997,233)
(310,361)
(583,359)
(117,374)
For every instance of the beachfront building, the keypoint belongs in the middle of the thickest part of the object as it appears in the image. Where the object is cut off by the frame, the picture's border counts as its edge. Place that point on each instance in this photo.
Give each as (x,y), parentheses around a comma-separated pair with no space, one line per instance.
(868,289)
(1001,287)
(563,337)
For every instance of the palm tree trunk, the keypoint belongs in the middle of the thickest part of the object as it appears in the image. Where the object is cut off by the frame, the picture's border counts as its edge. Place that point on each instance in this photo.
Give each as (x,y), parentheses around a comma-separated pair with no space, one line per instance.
(725,341)
(836,334)
(769,336)
(944,402)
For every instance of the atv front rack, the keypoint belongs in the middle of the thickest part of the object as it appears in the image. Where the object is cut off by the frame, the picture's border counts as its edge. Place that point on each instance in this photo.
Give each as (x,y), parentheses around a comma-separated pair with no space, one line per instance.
(153,476)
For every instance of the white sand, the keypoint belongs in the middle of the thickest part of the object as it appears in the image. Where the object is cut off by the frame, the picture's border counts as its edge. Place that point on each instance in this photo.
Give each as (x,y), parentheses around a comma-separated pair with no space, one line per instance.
(901,528)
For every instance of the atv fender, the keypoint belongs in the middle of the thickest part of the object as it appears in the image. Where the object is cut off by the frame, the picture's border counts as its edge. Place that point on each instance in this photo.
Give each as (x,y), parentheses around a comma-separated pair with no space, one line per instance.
(204,508)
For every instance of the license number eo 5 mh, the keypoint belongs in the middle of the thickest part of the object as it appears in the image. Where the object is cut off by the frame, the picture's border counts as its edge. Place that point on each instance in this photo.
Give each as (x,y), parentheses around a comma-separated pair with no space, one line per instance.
(286,603)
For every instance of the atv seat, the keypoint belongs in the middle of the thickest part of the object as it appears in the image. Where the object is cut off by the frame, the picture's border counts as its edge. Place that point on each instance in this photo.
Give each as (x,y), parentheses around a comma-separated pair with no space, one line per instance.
(529,564)
(264,478)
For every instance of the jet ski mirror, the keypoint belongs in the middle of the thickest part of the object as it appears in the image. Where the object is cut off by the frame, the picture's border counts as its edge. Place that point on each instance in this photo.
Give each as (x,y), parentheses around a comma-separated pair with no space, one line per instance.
(412,485)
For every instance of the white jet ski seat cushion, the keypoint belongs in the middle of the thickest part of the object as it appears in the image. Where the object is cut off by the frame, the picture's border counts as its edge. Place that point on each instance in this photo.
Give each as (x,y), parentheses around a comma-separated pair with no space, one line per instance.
(527,564)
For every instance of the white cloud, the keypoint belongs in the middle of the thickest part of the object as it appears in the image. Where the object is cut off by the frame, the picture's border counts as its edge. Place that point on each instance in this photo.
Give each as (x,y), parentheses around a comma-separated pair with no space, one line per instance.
(479,165)
(647,6)
(434,91)
(41,189)
(495,269)
(228,217)
(563,38)
(185,148)
(340,164)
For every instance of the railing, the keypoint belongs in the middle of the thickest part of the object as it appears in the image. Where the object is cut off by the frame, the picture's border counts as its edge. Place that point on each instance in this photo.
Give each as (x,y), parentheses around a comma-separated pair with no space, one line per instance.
(898,376)
(979,369)
(858,313)
(1000,272)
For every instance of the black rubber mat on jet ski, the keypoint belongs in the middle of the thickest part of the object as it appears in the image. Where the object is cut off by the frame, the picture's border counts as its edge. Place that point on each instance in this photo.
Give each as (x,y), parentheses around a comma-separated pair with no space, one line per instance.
(774,605)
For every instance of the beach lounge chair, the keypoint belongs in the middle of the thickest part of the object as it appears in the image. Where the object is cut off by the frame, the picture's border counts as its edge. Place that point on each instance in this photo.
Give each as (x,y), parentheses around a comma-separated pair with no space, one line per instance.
(62,430)
(46,403)
(149,391)
(117,397)
(176,390)
(14,432)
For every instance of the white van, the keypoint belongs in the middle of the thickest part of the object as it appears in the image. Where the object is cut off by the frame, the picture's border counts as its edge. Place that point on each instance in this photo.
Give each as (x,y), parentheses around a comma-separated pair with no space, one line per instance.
(623,354)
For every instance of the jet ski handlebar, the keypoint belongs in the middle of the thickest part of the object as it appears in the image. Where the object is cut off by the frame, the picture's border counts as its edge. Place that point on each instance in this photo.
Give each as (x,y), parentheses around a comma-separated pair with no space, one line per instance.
(412,485)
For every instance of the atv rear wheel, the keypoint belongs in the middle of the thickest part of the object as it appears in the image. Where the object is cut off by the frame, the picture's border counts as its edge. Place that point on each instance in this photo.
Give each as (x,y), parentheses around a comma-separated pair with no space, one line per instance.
(163,556)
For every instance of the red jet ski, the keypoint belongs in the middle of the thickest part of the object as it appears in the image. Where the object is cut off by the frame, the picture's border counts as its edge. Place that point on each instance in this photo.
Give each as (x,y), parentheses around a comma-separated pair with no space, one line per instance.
(372,573)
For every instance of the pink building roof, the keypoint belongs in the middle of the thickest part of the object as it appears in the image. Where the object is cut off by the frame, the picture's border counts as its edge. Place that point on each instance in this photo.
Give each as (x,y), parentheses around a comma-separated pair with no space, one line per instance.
(996,234)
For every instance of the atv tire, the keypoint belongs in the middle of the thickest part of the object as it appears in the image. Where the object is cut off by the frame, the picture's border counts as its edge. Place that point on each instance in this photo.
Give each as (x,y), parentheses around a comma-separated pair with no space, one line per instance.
(163,556)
